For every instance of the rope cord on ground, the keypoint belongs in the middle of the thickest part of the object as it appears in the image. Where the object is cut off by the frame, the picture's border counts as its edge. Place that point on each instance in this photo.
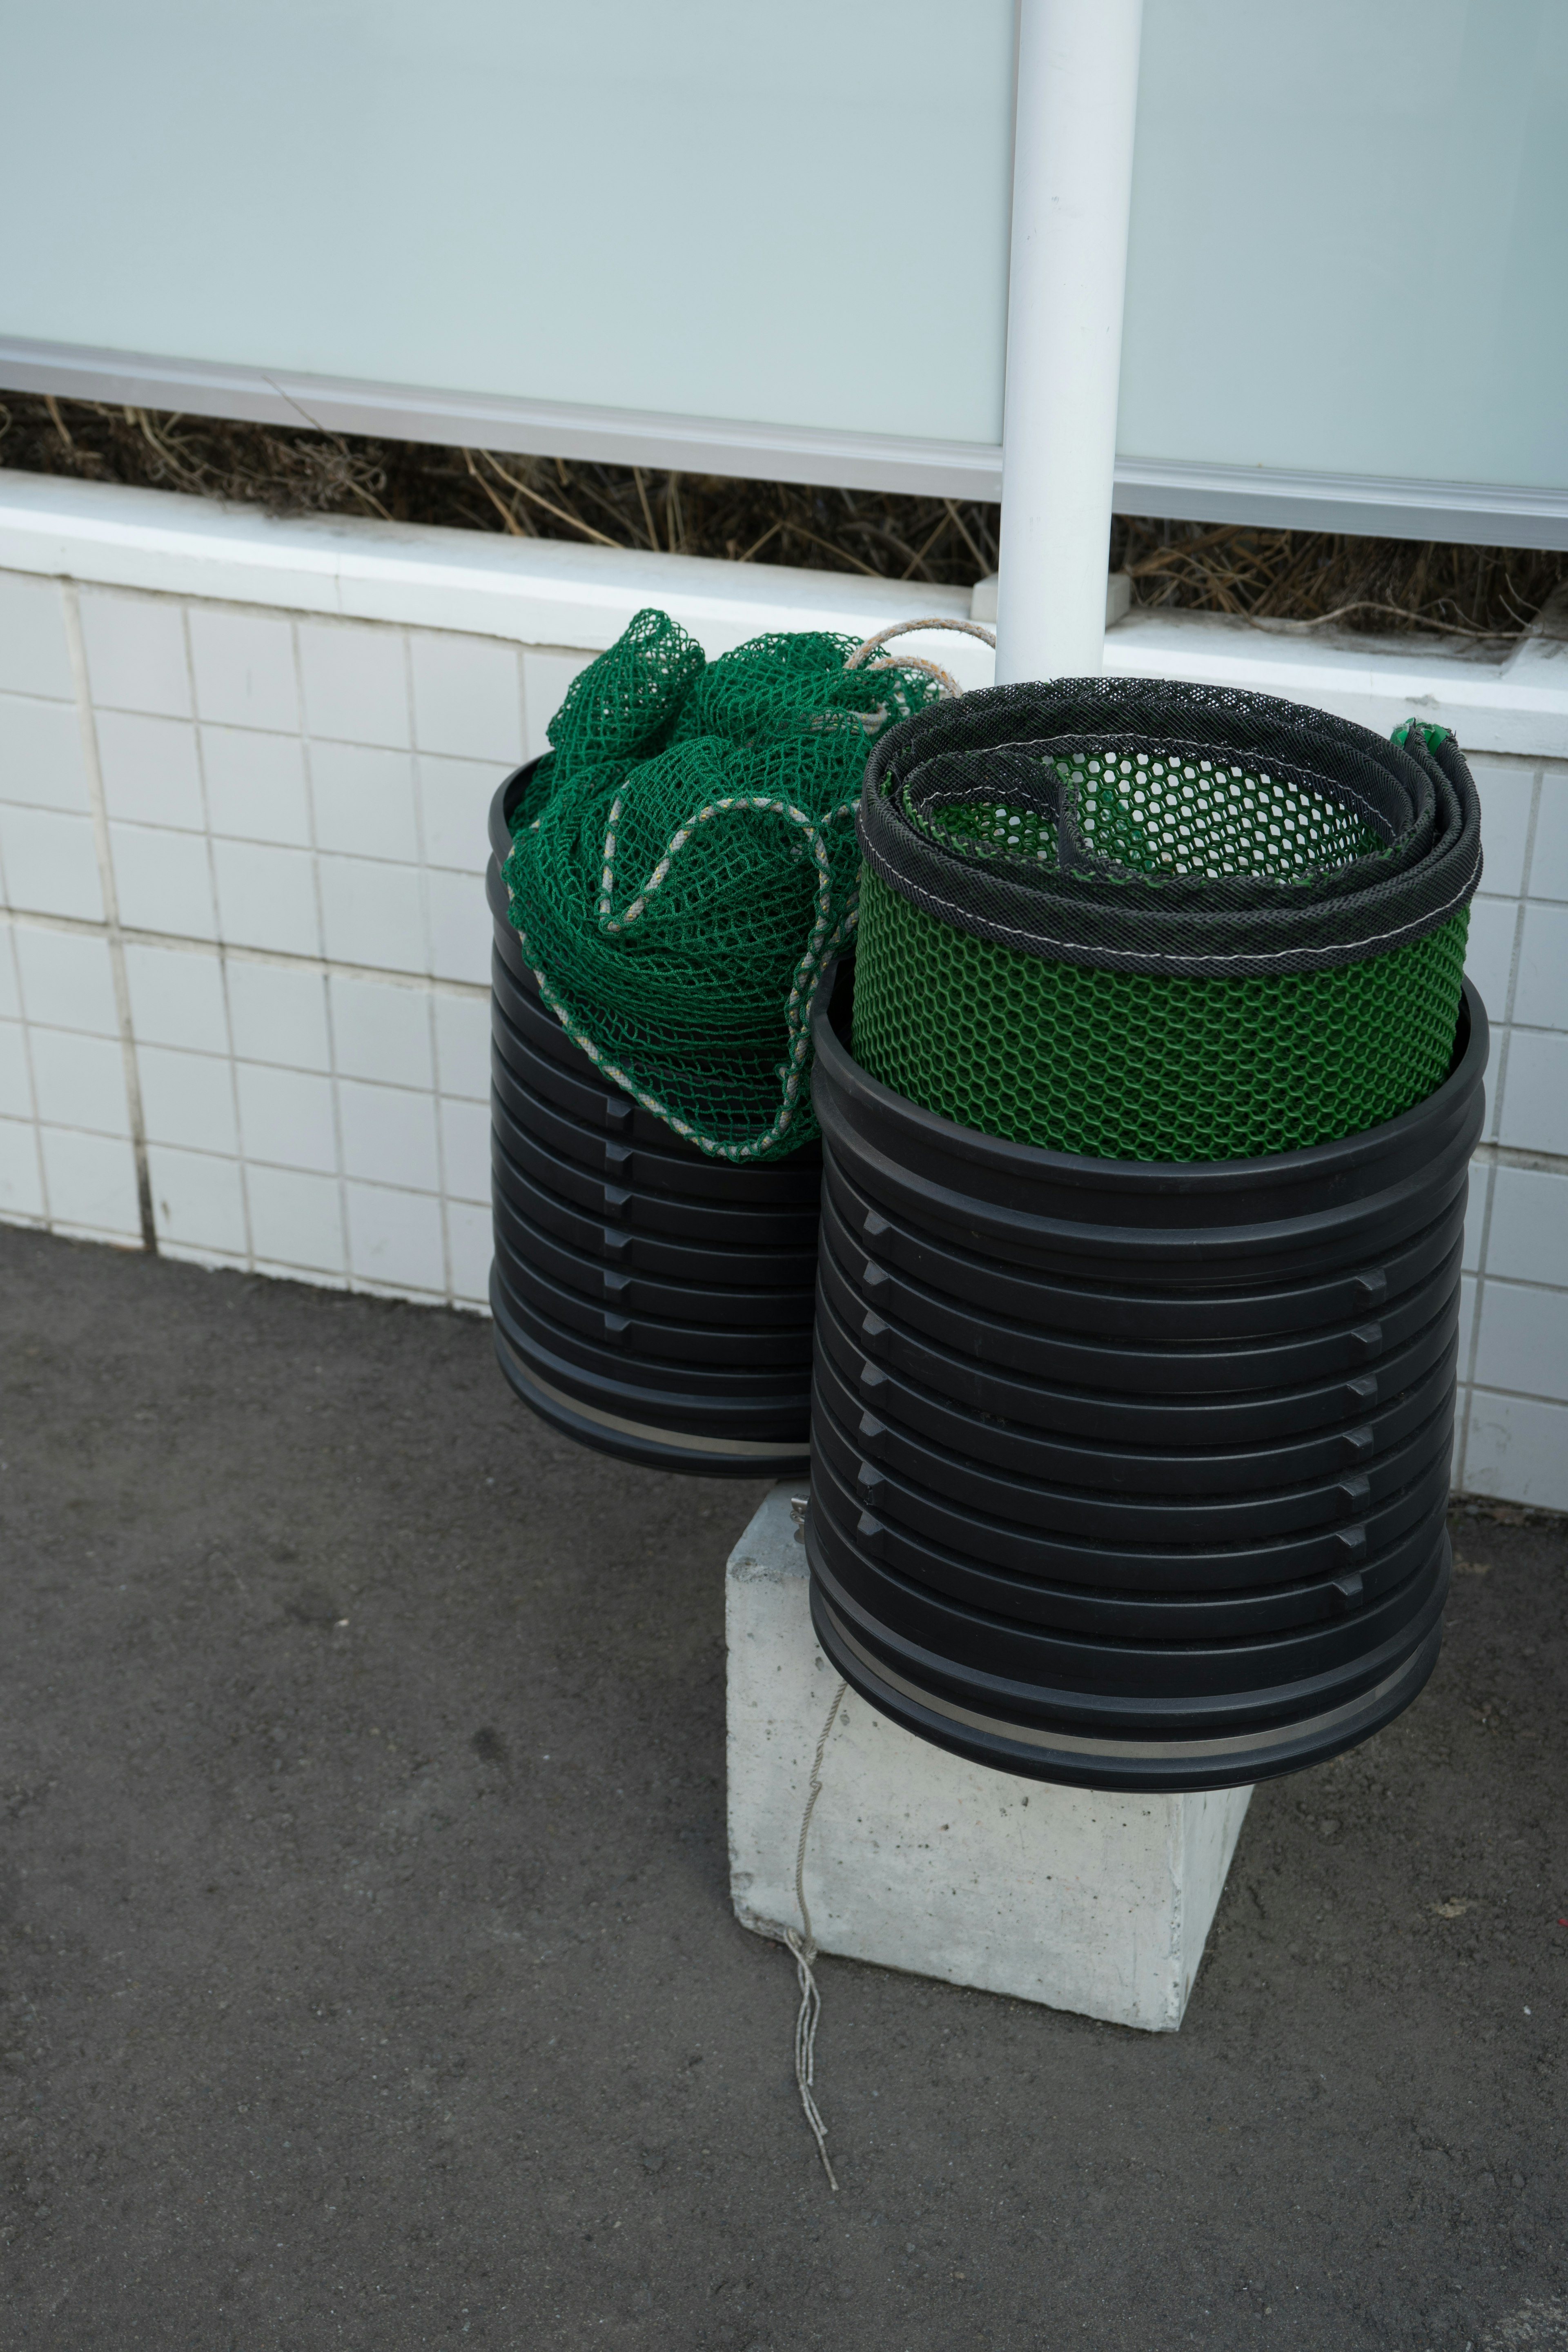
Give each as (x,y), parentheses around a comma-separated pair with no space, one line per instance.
(804,1948)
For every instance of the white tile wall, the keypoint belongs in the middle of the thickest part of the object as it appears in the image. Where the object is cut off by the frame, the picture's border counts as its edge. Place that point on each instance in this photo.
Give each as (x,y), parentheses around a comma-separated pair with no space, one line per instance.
(296,1221)
(267,897)
(243,668)
(295,806)
(277,1012)
(163,880)
(64,980)
(151,775)
(21,1171)
(187,1099)
(40,752)
(286,1118)
(381,1032)
(34,653)
(356,682)
(136,657)
(79,1081)
(50,863)
(256,785)
(90,1184)
(198,1205)
(364,801)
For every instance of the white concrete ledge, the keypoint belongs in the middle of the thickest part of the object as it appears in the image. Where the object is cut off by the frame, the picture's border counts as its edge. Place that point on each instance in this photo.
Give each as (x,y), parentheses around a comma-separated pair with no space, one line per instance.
(550,593)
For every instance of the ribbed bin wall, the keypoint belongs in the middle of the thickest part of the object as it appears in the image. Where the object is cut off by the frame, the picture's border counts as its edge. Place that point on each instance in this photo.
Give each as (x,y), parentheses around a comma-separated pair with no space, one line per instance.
(1133,1473)
(650,1301)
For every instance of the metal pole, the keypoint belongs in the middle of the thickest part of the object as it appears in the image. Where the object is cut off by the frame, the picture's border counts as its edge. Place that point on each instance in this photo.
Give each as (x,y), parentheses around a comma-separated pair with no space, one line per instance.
(1072,184)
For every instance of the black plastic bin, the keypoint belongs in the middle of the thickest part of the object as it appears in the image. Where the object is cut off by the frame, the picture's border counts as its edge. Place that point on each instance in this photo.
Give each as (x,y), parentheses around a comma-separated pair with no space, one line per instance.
(650,1301)
(1133,1475)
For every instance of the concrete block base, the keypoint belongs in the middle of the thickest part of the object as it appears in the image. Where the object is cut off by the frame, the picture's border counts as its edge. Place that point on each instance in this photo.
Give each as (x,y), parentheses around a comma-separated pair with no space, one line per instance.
(917,1859)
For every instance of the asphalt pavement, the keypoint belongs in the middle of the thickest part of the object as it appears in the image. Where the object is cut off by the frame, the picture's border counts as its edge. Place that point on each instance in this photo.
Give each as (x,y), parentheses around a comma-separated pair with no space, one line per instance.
(369,1978)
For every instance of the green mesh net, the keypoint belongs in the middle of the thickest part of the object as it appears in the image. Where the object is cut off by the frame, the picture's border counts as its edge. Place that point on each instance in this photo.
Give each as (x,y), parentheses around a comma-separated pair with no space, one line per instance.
(1150,921)
(1127,1065)
(684,865)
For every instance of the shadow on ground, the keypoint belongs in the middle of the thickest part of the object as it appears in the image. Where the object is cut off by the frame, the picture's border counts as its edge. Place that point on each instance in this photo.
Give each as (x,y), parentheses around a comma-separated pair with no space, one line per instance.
(370,1981)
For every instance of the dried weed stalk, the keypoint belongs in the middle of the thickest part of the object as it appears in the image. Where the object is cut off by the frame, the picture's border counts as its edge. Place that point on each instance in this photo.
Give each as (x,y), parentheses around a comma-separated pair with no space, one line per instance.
(1295,581)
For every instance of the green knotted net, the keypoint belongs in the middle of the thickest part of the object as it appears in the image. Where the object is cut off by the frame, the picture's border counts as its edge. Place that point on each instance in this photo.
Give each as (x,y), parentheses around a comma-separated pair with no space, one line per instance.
(685,864)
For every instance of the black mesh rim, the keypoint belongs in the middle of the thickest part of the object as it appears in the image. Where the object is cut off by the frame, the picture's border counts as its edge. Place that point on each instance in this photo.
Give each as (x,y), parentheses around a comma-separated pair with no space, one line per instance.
(1420,795)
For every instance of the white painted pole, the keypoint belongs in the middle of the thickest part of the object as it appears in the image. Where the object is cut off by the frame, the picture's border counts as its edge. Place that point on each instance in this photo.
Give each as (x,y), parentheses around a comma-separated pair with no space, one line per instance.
(1072,185)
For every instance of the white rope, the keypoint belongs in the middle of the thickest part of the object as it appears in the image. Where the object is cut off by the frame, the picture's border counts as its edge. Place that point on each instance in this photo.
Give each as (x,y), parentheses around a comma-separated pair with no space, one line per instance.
(804,1948)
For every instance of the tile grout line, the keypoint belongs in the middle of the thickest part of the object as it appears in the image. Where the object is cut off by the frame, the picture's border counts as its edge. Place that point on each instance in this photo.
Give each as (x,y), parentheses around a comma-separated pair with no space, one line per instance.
(87,723)
(326,968)
(1473,1352)
(238,952)
(241,1164)
(427,927)
(25,1028)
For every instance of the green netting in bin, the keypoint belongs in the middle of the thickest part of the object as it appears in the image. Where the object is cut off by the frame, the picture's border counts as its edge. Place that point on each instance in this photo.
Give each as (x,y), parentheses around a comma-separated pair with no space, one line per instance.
(1141,921)
(1125,1065)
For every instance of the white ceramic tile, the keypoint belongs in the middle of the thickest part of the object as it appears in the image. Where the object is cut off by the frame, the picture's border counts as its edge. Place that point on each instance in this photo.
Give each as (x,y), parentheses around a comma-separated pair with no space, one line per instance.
(1489,951)
(466,1150)
(67,980)
(1506,793)
(256,785)
(545,678)
(467,696)
(356,687)
(79,1081)
(463,1044)
(243,663)
(1529,1236)
(176,998)
(16,1081)
(296,1220)
(40,753)
(1518,1449)
(10,989)
(1549,858)
(278,1015)
(135,651)
(454,796)
(1476,1216)
(1469,1289)
(50,863)
(196,1200)
(21,1180)
(1523,1341)
(364,802)
(389,1136)
(150,771)
(381,1031)
(34,654)
(164,881)
(286,1118)
(187,1099)
(266,896)
(372,914)
(461,928)
(1541,999)
(395,1238)
(1535,1114)
(91,1182)
(470,1246)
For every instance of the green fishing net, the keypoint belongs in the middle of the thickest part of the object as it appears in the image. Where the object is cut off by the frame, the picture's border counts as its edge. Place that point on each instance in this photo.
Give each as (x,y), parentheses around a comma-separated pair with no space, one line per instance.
(1139,919)
(684,864)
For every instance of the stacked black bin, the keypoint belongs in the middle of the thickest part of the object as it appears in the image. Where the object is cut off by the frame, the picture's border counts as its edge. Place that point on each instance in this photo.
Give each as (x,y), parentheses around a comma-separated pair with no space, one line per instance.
(650,1301)
(1127,1474)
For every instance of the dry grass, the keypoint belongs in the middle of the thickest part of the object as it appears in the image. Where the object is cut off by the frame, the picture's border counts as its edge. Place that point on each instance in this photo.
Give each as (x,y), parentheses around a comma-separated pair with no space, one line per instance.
(1277,579)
